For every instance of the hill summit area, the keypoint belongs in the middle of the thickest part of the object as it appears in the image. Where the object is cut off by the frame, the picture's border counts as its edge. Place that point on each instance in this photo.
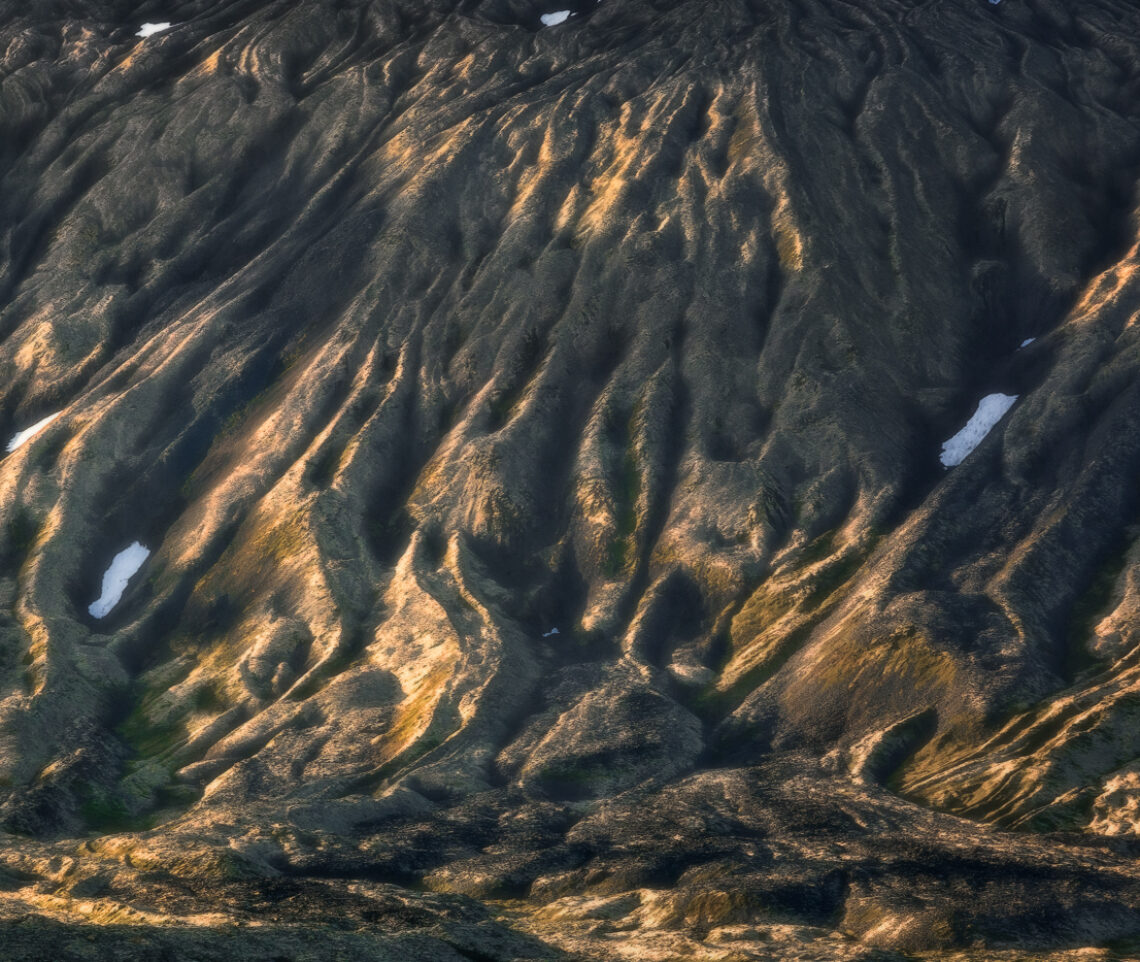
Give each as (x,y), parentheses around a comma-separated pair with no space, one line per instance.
(504,480)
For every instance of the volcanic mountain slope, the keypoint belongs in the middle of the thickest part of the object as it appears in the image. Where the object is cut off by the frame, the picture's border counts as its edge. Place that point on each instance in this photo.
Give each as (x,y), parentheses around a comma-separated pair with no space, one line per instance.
(535,431)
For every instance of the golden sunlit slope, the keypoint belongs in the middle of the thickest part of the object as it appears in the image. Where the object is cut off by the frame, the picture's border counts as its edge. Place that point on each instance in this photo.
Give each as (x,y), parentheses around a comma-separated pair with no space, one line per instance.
(536,434)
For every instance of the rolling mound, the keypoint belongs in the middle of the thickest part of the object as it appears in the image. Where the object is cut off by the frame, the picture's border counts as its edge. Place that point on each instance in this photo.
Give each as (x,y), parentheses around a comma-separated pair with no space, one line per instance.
(654,483)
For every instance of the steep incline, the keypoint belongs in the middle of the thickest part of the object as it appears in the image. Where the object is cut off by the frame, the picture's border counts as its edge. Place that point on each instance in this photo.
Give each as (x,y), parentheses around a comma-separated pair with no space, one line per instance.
(519,416)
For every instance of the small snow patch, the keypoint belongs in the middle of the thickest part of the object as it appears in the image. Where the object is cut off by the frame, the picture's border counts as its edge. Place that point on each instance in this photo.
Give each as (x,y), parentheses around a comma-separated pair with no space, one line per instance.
(1027,342)
(554,19)
(547,634)
(991,409)
(28,433)
(123,566)
(150,29)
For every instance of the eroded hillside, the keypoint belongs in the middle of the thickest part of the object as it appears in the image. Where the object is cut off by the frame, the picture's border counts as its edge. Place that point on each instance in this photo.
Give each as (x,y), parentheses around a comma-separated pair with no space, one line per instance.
(535,432)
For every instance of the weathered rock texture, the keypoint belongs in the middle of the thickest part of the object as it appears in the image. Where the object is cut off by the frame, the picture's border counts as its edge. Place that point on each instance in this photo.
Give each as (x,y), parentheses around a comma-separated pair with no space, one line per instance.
(405,332)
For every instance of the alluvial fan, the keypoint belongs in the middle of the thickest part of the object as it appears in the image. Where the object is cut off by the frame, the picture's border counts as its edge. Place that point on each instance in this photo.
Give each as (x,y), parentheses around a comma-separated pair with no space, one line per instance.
(508,479)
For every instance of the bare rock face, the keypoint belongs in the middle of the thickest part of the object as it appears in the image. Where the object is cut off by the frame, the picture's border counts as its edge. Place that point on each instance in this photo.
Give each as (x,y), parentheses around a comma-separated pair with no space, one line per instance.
(535,426)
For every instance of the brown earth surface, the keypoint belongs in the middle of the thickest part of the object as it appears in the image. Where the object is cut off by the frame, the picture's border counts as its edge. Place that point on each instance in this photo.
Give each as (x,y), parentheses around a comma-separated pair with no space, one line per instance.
(536,432)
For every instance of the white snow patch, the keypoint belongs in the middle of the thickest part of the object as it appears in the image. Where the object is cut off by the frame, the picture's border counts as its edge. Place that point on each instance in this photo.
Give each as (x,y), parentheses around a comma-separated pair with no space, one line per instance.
(554,19)
(123,566)
(1027,342)
(150,29)
(28,433)
(991,409)
(553,631)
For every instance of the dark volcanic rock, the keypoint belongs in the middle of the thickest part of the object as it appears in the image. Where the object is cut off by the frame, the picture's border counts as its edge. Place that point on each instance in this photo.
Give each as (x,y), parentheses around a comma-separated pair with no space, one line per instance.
(536,433)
